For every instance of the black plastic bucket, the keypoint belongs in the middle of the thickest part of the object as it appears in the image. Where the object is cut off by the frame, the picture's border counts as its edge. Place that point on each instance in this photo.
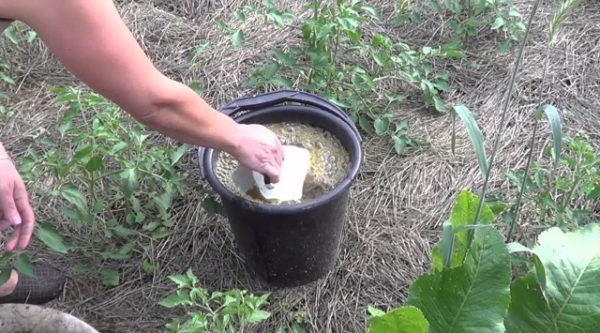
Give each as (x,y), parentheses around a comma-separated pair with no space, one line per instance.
(293,244)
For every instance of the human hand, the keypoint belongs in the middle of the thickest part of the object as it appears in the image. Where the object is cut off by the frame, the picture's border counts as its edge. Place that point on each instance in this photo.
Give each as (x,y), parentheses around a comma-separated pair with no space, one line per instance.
(260,150)
(15,209)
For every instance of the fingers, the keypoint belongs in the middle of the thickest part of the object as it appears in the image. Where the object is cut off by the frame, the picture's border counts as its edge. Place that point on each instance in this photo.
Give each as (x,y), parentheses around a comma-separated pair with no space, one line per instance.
(272,172)
(27,217)
(8,207)
(4,225)
(14,240)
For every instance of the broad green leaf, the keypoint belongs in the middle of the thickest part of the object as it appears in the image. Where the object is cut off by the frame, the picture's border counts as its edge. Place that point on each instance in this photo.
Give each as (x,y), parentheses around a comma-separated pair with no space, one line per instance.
(130,181)
(110,277)
(178,154)
(540,270)
(4,274)
(372,11)
(555,125)
(191,277)
(75,197)
(472,298)
(24,266)
(572,264)
(176,299)
(48,234)
(406,319)
(258,316)
(399,144)
(381,125)
(94,164)
(463,214)
(475,135)
(498,23)
(238,38)
(83,152)
(181,280)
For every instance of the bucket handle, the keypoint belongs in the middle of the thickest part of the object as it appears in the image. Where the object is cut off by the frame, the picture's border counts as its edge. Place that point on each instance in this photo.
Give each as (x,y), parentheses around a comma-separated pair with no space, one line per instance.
(259,102)
(273,98)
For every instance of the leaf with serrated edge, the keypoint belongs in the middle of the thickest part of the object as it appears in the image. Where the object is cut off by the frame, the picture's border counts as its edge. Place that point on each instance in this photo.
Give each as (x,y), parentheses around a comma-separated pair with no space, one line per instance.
(572,264)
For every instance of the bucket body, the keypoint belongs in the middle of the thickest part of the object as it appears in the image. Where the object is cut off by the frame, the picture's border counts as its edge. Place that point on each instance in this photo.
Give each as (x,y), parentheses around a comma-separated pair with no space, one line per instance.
(37,319)
(291,244)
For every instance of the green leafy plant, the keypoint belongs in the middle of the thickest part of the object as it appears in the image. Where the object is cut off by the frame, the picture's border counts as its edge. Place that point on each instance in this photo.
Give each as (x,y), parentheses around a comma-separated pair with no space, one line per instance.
(474,292)
(270,13)
(472,287)
(18,261)
(232,311)
(467,16)
(564,195)
(115,185)
(326,63)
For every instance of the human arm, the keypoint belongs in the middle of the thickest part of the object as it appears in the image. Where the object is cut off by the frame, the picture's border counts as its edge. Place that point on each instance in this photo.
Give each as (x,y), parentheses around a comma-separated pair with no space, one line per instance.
(92,41)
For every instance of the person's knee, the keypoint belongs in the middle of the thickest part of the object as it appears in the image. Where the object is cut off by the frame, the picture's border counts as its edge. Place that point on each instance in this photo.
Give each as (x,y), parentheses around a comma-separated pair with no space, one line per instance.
(10,285)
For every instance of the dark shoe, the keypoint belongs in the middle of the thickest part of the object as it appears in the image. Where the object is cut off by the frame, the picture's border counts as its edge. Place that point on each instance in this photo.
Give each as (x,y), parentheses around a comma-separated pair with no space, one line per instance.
(46,285)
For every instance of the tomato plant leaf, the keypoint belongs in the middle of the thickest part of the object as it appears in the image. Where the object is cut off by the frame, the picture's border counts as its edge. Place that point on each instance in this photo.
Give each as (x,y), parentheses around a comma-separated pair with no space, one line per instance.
(24,266)
(48,234)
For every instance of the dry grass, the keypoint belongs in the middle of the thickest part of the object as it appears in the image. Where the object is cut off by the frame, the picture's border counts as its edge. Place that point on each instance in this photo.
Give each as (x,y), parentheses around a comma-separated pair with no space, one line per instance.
(398,202)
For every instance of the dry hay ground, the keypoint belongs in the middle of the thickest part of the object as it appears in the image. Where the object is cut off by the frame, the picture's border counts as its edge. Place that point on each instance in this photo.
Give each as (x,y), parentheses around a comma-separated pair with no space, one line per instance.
(398,202)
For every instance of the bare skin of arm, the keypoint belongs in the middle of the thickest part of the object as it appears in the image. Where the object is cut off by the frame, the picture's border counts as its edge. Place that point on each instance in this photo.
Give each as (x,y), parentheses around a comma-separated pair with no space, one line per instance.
(92,42)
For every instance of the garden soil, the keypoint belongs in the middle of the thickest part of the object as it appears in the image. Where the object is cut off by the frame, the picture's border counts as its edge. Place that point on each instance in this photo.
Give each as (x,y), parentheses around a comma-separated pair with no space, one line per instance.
(398,202)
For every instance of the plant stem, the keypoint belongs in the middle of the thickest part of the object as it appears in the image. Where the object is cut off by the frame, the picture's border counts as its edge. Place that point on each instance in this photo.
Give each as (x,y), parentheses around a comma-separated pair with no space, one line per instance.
(503,117)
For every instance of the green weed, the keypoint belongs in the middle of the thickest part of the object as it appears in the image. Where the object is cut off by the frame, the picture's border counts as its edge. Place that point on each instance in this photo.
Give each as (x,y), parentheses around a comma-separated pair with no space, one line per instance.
(338,61)
(563,196)
(232,311)
(469,16)
(116,187)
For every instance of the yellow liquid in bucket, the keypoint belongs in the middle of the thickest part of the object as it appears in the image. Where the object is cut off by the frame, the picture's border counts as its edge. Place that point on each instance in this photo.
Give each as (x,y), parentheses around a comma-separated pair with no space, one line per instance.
(329,161)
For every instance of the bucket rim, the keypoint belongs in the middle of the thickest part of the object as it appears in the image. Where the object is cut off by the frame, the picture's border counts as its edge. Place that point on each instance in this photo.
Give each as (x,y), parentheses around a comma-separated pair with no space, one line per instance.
(206,157)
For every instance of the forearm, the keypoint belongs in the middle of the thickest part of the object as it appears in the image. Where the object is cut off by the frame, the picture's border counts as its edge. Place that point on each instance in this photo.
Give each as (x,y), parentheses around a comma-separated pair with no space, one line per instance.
(92,41)
(181,114)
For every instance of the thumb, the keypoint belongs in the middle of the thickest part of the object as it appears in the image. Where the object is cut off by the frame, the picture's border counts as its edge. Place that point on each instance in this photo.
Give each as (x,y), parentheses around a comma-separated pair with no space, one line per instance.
(9,208)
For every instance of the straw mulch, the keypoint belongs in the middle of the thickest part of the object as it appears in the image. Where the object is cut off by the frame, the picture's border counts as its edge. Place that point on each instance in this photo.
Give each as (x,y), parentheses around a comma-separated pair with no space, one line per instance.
(398,202)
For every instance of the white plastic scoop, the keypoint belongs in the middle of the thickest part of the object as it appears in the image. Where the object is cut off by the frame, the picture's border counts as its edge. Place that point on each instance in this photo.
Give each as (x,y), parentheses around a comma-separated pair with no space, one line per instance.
(294,169)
